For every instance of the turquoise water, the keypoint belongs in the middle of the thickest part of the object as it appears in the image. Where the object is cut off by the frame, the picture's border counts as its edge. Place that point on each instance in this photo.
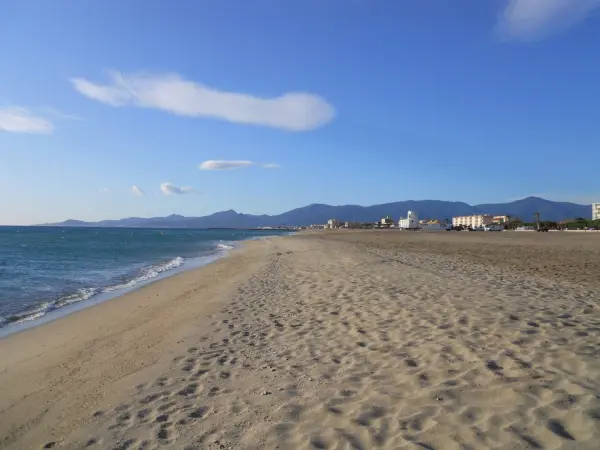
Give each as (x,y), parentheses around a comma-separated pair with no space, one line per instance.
(45,269)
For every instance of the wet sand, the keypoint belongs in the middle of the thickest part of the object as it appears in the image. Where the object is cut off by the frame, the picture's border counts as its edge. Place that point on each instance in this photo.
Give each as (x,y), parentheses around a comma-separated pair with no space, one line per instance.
(332,340)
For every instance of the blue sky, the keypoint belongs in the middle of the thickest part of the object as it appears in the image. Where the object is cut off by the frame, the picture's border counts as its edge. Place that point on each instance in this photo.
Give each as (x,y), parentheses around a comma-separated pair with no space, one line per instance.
(111,109)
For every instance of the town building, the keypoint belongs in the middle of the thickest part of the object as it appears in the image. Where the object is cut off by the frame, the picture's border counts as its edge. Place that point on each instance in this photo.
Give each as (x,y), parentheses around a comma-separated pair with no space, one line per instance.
(595,211)
(501,219)
(386,222)
(352,225)
(333,223)
(476,220)
(410,223)
(431,225)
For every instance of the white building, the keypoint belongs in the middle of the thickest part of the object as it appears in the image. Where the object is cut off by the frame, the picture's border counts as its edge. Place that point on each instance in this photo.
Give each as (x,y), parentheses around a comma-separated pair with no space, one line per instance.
(333,223)
(431,225)
(410,223)
(595,211)
(476,220)
(386,222)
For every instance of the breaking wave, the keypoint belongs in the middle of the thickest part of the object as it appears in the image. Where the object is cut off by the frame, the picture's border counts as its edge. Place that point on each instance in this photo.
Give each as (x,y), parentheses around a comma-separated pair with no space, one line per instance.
(144,275)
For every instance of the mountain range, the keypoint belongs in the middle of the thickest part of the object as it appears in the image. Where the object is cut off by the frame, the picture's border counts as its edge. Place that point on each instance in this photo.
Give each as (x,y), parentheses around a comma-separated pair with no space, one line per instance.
(319,214)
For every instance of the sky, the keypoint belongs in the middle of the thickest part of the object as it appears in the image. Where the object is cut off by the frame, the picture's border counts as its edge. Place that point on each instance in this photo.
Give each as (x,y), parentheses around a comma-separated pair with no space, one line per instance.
(112,108)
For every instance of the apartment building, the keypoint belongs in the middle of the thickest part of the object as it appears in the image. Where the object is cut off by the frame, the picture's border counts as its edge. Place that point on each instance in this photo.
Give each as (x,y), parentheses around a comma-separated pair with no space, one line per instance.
(595,211)
(476,220)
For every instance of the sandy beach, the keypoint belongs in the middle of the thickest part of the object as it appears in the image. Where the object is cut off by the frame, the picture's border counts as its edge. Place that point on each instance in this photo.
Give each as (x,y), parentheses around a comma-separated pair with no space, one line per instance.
(334,340)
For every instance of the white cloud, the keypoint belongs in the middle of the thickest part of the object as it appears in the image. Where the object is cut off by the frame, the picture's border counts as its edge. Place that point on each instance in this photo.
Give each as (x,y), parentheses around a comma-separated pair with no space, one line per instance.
(21,120)
(224,165)
(103,191)
(294,111)
(136,190)
(271,166)
(168,189)
(228,165)
(535,19)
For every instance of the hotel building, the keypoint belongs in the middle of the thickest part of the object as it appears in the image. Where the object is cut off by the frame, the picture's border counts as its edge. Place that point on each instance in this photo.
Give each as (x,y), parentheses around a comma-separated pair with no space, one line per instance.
(476,220)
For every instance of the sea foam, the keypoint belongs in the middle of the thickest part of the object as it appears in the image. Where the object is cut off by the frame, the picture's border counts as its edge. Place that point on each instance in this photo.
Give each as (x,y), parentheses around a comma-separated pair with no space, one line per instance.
(145,274)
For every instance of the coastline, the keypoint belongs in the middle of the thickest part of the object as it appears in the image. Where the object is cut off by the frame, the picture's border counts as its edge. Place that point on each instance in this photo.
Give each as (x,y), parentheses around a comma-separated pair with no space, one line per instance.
(95,295)
(326,340)
(42,355)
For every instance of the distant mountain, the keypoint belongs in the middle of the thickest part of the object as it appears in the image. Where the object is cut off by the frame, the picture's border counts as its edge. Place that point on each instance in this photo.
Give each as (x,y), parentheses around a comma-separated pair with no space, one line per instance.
(319,214)
(548,210)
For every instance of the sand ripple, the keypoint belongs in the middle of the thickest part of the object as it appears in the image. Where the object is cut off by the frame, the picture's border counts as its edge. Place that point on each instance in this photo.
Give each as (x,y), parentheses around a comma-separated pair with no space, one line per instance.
(361,341)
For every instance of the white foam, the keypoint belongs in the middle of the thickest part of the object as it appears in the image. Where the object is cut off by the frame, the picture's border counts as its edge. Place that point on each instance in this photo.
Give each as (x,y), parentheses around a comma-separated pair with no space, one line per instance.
(148,273)
(41,310)
(145,275)
(79,295)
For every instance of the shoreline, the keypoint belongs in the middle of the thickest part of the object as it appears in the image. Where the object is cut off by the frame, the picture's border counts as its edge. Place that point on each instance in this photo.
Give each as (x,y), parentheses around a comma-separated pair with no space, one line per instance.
(98,301)
(98,298)
(326,340)
(38,356)
(103,294)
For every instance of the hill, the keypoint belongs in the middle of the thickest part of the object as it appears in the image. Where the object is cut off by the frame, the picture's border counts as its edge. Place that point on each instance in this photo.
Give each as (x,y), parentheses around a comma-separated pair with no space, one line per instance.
(319,214)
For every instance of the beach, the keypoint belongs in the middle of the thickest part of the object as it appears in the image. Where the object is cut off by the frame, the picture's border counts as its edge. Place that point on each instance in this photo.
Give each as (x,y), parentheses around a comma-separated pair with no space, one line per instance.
(327,340)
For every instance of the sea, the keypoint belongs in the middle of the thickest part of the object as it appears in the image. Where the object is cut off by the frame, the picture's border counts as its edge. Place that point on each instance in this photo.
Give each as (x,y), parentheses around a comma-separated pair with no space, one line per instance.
(47,272)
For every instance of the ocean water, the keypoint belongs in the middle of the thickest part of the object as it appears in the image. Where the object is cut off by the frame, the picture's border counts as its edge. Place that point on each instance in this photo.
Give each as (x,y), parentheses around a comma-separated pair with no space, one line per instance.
(43,270)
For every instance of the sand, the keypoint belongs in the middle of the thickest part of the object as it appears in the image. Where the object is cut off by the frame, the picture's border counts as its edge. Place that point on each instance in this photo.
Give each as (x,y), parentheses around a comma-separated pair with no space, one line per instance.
(339,340)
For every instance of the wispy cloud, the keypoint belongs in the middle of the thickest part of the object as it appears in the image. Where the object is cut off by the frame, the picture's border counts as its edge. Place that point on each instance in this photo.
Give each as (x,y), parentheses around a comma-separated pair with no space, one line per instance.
(530,20)
(228,165)
(21,120)
(136,190)
(169,189)
(103,191)
(271,166)
(59,115)
(223,165)
(294,111)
